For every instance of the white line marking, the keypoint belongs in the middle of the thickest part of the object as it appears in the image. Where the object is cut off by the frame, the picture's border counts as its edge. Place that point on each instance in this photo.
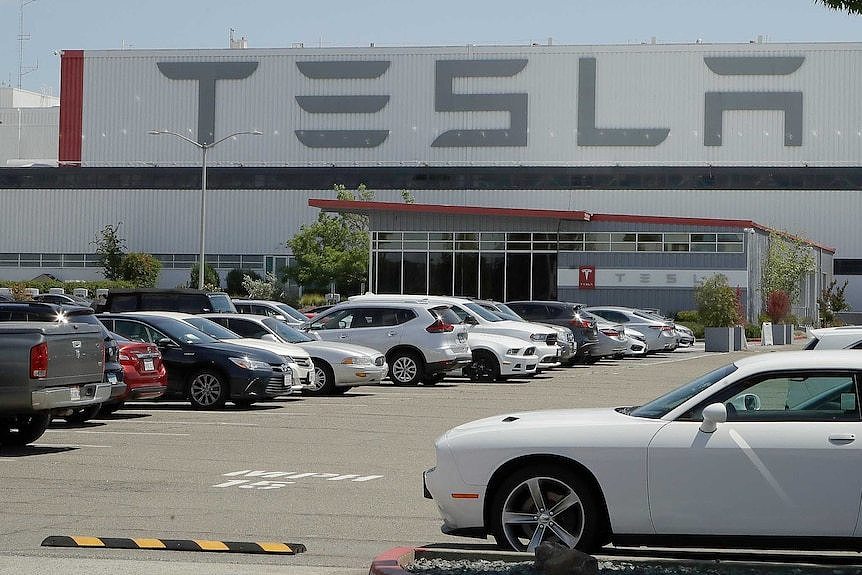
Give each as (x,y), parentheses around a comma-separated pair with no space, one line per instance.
(69,445)
(116,432)
(688,358)
(171,422)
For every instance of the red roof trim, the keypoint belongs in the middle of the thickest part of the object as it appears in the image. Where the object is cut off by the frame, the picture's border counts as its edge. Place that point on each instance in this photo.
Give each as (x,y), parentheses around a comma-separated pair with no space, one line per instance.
(358,206)
(71,106)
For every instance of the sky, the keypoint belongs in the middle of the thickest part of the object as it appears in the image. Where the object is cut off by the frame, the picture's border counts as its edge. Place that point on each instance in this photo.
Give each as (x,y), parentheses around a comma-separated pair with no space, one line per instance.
(55,25)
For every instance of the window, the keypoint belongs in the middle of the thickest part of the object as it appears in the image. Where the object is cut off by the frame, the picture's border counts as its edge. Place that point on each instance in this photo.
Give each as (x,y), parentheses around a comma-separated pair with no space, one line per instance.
(415,273)
(338,320)
(247,328)
(790,396)
(136,331)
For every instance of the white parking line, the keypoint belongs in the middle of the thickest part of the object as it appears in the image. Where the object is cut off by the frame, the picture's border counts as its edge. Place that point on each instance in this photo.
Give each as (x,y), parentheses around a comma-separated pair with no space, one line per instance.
(712,354)
(172,422)
(74,445)
(116,432)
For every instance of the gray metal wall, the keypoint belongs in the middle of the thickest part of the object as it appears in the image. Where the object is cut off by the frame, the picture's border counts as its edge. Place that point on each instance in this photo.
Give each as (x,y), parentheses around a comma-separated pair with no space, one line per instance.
(28,133)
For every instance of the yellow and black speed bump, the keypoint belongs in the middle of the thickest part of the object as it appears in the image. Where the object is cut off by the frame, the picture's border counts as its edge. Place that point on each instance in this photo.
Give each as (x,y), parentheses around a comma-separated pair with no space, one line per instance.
(262,547)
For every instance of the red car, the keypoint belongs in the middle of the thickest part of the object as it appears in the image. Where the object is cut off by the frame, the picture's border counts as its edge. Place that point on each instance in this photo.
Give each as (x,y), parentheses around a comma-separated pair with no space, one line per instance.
(144,373)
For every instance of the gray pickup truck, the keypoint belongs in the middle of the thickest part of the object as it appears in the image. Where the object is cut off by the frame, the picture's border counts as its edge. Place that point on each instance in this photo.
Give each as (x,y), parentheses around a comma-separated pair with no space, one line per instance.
(47,369)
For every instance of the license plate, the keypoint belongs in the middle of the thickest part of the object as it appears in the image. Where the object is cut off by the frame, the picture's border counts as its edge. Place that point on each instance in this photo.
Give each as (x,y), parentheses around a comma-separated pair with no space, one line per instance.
(112,378)
(75,392)
(149,365)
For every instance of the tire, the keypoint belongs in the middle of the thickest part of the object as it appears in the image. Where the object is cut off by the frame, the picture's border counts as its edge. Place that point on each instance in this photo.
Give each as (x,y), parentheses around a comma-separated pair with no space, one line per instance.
(324,379)
(27,429)
(111,408)
(485,367)
(581,519)
(433,379)
(81,415)
(592,359)
(405,368)
(207,389)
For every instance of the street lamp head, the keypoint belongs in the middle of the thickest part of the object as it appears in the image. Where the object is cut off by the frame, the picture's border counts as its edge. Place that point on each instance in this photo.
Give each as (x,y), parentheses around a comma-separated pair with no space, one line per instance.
(155,133)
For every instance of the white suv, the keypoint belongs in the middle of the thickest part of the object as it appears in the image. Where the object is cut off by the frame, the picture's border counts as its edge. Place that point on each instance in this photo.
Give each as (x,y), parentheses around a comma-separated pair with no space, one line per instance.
(480,320)
(421,341)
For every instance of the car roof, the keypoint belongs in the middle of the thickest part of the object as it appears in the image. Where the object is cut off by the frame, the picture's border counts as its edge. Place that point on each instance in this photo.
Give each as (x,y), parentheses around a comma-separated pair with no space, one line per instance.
(170,314)
(783,360)
(257,301)
(253,316)
(843,329)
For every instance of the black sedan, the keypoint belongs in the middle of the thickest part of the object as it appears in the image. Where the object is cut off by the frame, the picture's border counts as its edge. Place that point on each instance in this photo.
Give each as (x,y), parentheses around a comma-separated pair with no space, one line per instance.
(204,370)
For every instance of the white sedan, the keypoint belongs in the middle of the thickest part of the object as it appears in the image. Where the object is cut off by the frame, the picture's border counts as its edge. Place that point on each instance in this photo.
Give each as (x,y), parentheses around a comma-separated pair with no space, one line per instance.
(760,449)
(337,366)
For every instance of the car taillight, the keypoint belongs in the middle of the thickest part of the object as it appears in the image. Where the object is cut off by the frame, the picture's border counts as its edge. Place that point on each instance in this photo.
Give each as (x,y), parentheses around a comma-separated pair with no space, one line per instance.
(124,357)
(440,326)
(39,361)
(578,322)
(611,332)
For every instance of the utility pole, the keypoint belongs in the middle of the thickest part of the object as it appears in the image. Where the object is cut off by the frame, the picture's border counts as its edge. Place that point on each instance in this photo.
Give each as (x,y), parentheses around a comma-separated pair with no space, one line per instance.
(23,37)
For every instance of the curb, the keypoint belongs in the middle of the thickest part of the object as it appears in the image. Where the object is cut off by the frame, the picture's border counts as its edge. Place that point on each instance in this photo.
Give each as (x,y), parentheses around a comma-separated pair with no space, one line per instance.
(258,548)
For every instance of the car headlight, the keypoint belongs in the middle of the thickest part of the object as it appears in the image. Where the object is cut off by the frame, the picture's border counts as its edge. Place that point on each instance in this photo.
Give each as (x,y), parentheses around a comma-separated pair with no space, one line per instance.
(513,351)
(248,363)
(538,337)
(356,360)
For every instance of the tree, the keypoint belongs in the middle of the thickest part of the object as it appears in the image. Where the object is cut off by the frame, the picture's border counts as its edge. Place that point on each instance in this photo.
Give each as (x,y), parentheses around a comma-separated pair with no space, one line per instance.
(257,288)
(716,302)
(110,249)
(788,261)
(831,301)
(141,269)
(333,249)
(211,277)
(235,279)
(850,6)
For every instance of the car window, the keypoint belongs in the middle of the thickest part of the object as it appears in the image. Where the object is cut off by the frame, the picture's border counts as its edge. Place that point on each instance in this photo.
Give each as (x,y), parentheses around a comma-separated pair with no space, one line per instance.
(790,396)
(812,344)
(857,346)
(482,312)
(341,319)
(243,307)
(404,315)
(157,301)
(221,303)
(136,331)
(211,328)
(191,303)
(447,314)
(247,328)
(286,332)
(614,316)
(559,311)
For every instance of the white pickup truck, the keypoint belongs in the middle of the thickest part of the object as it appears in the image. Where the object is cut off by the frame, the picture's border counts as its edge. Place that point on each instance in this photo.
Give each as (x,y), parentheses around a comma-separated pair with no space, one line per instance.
(47,369)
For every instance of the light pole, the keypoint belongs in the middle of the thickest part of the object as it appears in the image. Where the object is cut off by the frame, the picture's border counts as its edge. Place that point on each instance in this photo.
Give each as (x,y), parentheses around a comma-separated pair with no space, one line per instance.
(204,148)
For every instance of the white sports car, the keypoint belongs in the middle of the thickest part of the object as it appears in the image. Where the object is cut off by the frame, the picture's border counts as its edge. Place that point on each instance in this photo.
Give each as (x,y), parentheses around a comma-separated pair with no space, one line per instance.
(761,450)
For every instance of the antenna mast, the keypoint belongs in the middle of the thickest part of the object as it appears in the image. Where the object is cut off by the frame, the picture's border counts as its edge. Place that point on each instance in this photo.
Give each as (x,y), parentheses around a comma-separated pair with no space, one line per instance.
(23,37)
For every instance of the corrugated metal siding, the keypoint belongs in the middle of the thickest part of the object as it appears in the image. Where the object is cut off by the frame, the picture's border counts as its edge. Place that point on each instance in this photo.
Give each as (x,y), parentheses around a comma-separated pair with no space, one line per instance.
(37,137)
(645,260)
(639,86)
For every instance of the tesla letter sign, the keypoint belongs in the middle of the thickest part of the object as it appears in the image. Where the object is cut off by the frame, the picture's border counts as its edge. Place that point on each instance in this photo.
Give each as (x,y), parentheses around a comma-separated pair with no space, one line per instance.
(587,277)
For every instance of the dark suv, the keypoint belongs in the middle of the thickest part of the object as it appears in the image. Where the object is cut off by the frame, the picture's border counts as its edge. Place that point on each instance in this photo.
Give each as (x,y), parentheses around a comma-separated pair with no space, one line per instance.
(567,315)
(37,311)
(181,300)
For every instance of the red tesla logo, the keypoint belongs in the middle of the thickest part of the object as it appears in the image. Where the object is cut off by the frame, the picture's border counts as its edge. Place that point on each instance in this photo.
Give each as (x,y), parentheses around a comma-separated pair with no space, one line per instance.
(587,277)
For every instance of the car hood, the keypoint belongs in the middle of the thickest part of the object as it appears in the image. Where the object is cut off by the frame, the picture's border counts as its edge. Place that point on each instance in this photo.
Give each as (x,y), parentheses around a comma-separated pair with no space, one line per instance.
(549,421)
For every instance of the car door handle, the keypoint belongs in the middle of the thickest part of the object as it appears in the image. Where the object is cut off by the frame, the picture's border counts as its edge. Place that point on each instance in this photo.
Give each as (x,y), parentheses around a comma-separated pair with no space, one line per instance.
(392,333)
(842,437)
(342,336)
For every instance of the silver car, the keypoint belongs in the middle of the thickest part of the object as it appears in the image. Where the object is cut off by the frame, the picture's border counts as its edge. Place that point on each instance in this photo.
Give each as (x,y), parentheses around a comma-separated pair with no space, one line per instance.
(337,366)
(421,341)
(844,337)
(660,335)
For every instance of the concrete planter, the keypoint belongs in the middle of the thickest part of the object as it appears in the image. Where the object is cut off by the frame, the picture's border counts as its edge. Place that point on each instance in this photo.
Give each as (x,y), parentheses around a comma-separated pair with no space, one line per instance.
(782,334)
(718,339)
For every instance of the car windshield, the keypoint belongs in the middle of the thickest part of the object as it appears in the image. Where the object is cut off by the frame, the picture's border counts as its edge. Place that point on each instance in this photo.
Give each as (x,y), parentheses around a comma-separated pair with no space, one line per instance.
(509,311)
(286,332)
(660,407)
(179,330)
(482,312)
(221,303)
(211,328)
(291,313)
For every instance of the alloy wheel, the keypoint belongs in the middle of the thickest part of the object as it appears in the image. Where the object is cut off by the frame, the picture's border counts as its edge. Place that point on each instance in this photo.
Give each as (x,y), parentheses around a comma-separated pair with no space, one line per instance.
(542,509)
(206,389)
(404,369)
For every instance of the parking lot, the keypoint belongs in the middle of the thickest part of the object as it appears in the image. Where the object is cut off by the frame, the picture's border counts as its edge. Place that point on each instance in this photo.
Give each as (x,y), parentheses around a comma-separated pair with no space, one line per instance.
(341,475)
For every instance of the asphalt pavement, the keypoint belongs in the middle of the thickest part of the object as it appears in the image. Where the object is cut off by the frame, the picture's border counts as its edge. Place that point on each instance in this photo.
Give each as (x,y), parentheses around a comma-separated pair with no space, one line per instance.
(340,475)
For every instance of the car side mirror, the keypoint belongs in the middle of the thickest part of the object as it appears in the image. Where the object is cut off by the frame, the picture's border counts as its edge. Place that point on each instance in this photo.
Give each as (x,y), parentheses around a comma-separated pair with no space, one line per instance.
(713,414)
(166,342)
(269,337)
(470,320)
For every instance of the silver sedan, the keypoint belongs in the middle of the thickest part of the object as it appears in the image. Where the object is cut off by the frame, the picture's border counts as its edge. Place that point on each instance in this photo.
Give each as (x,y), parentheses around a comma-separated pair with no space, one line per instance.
(338,366)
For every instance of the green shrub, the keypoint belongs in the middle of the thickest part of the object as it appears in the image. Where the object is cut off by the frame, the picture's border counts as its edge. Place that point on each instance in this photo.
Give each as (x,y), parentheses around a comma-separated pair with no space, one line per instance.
(716,302)
(140,269)
(211,277)
(44,286)
(233,281)
(752,331)
(688,316)
(311,300)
